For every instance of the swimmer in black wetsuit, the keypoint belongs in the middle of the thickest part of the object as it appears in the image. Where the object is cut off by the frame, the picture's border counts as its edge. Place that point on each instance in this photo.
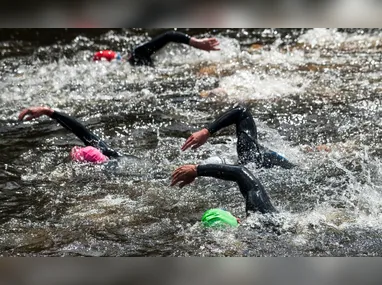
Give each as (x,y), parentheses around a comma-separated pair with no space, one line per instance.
(256,198)
(141,55)
(248,148)
(96,150)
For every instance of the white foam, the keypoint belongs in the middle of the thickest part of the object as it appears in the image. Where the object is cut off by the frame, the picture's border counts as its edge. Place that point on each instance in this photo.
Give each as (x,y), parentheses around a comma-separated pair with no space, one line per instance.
(249,85)
(334,39)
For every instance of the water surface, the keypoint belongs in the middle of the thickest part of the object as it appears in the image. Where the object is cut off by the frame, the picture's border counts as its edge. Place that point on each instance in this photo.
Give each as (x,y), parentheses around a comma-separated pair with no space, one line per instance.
(305,88)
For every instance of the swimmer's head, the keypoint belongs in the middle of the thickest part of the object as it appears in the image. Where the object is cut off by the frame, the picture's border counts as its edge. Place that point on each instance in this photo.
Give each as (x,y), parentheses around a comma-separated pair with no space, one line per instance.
(88,154)
(219,218)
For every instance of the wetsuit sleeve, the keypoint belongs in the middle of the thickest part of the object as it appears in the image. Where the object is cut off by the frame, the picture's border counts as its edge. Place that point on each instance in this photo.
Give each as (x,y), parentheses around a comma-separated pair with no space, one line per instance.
(232,116)
(142,54)
(221,171)
(86,136)
(253,191)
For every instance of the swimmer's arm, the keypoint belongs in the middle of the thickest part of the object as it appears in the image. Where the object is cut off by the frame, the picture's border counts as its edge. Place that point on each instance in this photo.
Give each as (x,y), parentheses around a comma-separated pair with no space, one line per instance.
(253,192)
(226,119)
(187,173)
(69,123)
(199,138)
(221,171)
(239,174)
(250,187)
(77,128)
(88,138)
(160,41)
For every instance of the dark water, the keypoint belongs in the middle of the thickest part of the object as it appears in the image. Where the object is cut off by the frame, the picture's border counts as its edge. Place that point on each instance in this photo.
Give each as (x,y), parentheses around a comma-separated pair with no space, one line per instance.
(306,88)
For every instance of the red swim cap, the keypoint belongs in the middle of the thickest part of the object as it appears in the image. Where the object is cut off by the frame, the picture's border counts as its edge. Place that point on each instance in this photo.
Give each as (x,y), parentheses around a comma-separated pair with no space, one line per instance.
(109,55)
(88,154)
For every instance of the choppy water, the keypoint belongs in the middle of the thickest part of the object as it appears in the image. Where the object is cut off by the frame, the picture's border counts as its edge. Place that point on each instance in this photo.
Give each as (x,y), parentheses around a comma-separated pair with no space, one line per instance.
(304,87)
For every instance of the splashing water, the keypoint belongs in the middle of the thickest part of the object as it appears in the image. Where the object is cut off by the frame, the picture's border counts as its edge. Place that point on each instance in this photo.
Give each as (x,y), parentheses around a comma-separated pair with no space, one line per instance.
(316,99)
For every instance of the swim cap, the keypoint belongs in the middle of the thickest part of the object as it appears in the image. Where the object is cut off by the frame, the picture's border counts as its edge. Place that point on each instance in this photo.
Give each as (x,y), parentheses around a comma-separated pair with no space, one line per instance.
(88,154)
(109,55)
(218,218)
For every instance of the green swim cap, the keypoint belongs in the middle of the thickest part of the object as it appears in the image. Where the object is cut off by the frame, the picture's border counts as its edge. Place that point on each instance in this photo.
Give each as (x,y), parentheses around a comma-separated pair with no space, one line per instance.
(218,218)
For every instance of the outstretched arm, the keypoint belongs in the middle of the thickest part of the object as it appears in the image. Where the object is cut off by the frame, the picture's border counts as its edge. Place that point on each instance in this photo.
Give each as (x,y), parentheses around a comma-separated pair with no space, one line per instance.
(186,174)
(145,51)
(71,124)
(253,191)
(230,117)
(235,115)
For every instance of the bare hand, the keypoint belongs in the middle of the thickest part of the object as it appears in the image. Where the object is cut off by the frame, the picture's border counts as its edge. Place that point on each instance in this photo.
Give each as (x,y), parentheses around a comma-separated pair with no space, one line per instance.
(322,147)
(217,92)
(196,139)
(185,174)
(34,112)
(206,44)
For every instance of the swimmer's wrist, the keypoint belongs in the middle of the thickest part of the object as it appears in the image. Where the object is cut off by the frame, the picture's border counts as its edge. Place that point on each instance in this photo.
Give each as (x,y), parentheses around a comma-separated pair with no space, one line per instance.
(48,111)
(207,131)
(196,170)
(194,42)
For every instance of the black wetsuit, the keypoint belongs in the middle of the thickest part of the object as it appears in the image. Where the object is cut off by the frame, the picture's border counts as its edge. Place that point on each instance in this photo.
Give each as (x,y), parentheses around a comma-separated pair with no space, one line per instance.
(141,55)
(256,198)
(248,148)
(88,138)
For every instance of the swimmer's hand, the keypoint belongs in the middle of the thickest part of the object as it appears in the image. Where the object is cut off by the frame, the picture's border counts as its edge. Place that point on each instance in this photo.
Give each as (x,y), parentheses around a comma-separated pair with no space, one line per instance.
(185,174)
(206,44)
(196,139)
(321,147)
(34,112)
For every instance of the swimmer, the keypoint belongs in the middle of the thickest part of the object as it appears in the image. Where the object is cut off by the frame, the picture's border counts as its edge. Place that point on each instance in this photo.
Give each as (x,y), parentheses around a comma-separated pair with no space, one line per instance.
(248,148)
(141,55)
(256,198)
(95,150)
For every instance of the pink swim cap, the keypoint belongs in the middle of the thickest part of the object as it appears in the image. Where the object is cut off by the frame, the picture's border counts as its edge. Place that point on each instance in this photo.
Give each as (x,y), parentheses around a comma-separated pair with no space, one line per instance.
(88,154)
